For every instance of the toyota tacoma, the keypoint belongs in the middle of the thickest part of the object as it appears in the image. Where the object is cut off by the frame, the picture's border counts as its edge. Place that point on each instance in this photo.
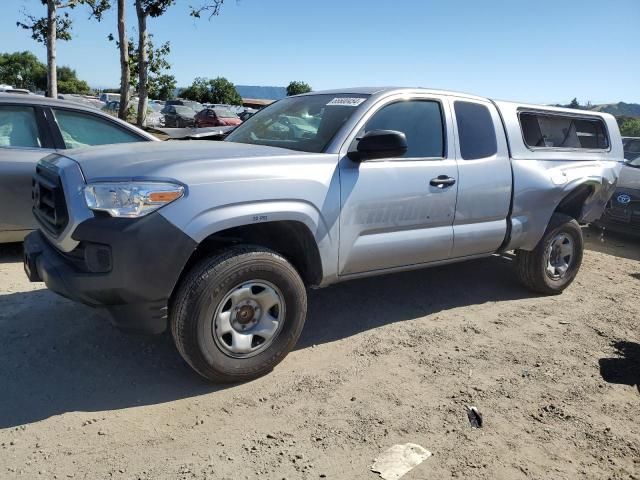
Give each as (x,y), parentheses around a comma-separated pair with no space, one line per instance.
(219,242)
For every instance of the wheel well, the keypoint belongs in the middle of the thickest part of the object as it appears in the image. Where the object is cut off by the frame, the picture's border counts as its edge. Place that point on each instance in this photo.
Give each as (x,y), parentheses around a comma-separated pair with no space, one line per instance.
(573,203)
(291,239)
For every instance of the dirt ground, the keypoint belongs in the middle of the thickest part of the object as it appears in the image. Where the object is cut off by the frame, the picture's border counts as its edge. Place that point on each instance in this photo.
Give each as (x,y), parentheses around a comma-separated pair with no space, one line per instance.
(382,361)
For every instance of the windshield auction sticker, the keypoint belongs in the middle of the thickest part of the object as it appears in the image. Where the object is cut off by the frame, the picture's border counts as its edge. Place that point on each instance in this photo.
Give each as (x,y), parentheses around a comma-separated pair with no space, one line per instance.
(347,101)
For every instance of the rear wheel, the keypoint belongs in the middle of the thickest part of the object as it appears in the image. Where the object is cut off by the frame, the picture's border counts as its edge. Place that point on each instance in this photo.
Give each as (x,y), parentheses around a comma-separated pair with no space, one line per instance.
(238,314)
(554,263)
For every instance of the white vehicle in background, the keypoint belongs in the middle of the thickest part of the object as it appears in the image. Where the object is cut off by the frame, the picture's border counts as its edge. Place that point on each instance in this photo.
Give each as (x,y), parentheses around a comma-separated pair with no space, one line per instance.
(109,97)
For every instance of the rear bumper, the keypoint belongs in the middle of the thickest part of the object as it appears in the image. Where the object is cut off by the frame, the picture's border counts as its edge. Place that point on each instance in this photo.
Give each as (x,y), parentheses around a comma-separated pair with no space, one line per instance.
(127,267)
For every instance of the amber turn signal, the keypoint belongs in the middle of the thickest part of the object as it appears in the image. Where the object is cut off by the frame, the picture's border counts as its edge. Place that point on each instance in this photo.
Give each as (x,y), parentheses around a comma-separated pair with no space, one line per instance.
(164,197)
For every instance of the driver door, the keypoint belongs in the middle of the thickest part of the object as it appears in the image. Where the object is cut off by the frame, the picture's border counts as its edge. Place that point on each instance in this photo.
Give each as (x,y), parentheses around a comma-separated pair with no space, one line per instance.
(394,214)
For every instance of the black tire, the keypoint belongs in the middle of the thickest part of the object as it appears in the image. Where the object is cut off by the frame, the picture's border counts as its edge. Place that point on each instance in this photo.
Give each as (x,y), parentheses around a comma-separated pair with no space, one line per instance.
(532,265)
(204,288)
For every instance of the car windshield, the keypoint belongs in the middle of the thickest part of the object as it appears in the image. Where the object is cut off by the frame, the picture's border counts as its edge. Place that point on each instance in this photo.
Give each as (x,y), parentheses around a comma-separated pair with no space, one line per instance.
(224,113)
(306,123)
(184,110)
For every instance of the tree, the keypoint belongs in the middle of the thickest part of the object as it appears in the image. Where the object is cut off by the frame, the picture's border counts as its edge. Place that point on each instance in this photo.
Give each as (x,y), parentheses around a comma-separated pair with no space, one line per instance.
(222,90)
(197,91)
(153,9)
(24,70)
(217,90)
(162,87)
(68,82)
(125,72)
(574,103)
(630,127)
(297,88)
(144,10)
(210,7)
(49,29)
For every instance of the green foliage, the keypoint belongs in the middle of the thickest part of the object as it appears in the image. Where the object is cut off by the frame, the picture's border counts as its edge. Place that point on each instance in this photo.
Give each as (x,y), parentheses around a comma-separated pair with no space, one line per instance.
(574,103)
(38,25)
(217,90)
(155,8)
(23,70)
(157,57)
(630,127)
(297,88)
(68,82)
(212,8)
(162,87)
(198,90)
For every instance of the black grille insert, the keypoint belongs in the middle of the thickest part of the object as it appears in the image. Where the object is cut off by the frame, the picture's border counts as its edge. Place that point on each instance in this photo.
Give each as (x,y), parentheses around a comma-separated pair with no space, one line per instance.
(49,205)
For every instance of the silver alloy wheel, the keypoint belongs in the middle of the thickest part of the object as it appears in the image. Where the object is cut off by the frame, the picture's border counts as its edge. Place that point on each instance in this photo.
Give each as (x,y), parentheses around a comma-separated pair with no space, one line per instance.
(248,318)
(559,255)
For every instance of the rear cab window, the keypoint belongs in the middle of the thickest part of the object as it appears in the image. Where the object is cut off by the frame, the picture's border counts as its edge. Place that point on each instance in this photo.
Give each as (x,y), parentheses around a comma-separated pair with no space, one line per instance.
(476,131)
(18,127)
(563,131)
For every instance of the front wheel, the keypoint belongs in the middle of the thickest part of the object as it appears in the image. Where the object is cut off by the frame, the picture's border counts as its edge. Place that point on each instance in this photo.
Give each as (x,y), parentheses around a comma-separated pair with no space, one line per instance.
(236,315)
(554,263)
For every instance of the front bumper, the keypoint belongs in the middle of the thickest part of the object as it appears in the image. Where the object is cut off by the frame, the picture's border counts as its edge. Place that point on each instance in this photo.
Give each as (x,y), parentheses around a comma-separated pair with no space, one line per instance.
(129,267)
(622,213)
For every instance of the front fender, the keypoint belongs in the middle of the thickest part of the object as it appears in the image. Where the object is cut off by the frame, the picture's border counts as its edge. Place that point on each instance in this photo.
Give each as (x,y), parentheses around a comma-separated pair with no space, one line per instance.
(223,217)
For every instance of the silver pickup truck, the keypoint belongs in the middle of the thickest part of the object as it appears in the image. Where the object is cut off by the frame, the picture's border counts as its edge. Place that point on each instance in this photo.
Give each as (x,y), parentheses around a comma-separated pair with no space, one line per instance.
(221,240)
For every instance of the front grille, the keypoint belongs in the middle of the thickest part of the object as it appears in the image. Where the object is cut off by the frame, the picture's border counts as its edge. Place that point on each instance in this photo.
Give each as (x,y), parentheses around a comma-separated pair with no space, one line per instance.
(49,205)
(627,215)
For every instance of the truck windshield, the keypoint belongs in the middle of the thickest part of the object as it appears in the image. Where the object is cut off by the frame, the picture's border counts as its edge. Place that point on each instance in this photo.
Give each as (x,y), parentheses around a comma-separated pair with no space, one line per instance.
(306,123)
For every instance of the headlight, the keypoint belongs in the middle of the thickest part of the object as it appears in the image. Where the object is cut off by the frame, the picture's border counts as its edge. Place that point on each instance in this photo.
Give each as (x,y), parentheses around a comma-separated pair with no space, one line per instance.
(131,199)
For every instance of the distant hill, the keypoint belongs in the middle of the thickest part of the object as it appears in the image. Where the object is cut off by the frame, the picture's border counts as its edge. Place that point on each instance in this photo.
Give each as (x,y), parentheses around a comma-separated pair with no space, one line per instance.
(620,109)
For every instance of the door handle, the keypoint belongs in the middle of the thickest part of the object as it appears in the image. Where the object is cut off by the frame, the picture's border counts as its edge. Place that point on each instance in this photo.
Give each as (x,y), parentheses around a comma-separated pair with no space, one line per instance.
(442,181)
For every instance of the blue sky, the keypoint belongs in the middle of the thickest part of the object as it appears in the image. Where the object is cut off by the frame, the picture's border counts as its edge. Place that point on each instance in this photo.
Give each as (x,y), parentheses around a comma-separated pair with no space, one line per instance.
(529,50)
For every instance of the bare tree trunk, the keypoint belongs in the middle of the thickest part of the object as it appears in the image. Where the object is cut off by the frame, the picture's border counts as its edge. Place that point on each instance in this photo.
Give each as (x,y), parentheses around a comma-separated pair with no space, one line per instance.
(143,62)
(52,34)
(125,75)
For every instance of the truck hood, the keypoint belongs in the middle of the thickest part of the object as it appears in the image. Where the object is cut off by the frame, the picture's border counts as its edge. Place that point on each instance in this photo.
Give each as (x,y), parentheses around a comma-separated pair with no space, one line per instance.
(150,159)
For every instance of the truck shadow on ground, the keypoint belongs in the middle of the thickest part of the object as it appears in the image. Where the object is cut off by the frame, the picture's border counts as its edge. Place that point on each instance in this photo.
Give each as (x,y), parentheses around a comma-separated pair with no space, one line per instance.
(57,356)
(624,369)
(10,253)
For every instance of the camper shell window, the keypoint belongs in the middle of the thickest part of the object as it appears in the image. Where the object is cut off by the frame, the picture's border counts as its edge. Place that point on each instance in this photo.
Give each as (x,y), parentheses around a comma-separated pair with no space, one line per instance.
(551,130)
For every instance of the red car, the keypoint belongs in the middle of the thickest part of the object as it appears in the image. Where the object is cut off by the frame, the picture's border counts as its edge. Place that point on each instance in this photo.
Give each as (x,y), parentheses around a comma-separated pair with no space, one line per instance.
(216,117)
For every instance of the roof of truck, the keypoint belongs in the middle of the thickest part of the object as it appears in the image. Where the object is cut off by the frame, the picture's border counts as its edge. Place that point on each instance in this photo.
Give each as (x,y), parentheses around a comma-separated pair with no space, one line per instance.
(387,90)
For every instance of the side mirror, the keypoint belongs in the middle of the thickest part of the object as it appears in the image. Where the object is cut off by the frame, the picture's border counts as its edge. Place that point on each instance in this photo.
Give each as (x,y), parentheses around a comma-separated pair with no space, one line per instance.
(380,144)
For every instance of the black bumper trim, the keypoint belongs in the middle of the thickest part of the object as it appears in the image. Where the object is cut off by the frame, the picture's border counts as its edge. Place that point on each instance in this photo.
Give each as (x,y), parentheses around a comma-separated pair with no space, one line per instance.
(148,257)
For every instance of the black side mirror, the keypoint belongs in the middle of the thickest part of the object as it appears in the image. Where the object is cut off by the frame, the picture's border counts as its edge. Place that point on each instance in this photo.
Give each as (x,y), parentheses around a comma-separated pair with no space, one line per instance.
(380,144)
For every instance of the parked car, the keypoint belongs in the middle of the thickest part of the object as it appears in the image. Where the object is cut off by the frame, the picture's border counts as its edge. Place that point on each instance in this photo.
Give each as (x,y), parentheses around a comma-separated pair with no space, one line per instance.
(216,117)
(178,116)
(247,114)
(112,107)
(221,240)
(623,210)
(109,97)
(193,105)
(631,148)
(32,127)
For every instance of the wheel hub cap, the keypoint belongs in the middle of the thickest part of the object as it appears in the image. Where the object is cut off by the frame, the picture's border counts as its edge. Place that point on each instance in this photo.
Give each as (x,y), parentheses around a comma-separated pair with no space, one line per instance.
(245,315)
(248,319)
(559,256)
